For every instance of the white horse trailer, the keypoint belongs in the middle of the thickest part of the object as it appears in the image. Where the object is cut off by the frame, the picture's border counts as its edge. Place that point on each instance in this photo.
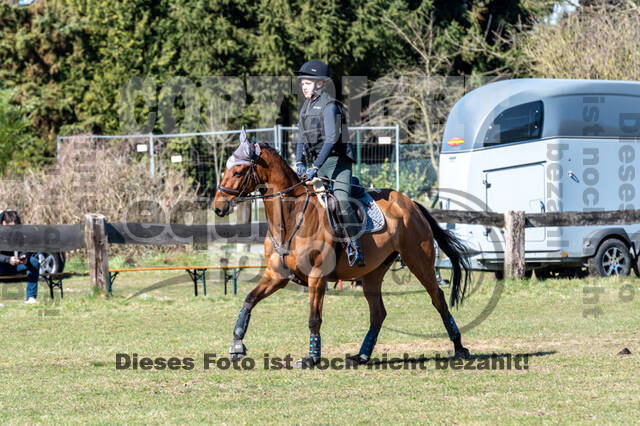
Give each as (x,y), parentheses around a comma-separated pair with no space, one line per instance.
(543,145)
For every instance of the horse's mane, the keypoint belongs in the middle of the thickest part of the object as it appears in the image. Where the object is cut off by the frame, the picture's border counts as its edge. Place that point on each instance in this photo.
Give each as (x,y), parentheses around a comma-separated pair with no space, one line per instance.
(283,164)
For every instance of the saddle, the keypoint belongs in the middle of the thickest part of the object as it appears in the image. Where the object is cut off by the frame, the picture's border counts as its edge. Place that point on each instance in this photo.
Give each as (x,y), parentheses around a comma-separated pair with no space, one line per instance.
(369,214)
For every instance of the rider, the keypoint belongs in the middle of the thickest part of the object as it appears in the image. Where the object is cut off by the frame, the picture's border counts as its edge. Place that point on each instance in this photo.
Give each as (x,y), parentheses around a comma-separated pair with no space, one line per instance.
(325,141)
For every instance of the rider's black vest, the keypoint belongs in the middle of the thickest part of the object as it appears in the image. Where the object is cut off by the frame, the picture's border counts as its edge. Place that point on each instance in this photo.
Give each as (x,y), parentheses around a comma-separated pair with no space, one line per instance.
(313,128)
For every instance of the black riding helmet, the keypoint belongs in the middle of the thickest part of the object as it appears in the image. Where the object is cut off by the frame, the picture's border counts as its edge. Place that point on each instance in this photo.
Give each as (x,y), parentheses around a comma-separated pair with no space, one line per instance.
(314,70)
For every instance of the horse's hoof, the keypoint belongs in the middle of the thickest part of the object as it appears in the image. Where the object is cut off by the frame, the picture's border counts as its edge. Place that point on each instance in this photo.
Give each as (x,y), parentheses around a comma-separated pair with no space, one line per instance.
(235,357)
(356,360)
(462,353)
(307,362)
(237,351)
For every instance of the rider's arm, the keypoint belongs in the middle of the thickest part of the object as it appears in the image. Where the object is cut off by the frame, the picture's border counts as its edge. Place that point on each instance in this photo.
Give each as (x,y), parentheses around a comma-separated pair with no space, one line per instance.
(330,117)
(299,145)
(4,258)
(299,152)
(299,149)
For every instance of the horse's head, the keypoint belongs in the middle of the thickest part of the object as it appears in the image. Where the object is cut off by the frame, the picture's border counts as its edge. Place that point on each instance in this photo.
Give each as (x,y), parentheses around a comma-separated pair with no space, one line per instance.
(240,178)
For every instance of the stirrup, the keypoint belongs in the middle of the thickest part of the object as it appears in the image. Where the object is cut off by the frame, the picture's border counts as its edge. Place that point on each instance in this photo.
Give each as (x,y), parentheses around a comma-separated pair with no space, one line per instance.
(354,256)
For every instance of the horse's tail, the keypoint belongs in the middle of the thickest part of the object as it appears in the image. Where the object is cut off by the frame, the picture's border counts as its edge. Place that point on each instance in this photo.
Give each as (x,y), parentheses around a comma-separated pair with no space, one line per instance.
(457,253)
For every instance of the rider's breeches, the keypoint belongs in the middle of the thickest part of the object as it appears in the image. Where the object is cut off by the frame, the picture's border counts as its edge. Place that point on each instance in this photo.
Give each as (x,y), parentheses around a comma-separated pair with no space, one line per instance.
(338,168)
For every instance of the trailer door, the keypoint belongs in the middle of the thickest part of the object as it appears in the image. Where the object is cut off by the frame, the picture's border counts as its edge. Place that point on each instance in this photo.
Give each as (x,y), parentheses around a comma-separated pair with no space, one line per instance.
(516,188)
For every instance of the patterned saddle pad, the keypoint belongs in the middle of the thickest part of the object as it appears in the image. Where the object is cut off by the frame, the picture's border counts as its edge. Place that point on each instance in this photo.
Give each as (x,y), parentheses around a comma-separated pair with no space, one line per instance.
(369,214)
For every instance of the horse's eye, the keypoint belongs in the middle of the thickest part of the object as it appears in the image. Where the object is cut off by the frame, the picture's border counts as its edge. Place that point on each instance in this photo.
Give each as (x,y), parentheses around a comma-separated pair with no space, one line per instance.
(237,174)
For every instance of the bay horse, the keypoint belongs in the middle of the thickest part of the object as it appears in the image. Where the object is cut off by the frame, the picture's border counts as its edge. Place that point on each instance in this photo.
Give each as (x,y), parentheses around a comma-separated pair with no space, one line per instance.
(301,247)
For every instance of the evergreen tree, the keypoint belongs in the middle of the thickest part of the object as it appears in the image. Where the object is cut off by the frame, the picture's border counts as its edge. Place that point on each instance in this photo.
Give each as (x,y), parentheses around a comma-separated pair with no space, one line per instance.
(109,66)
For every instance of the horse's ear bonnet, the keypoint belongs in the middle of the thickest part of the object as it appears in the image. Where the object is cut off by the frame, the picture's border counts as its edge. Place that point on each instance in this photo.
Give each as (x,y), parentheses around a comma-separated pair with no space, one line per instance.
(246,154)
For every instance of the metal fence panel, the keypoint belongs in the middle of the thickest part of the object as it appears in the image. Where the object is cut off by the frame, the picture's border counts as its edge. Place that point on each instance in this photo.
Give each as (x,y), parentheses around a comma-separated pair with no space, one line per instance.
(382,162)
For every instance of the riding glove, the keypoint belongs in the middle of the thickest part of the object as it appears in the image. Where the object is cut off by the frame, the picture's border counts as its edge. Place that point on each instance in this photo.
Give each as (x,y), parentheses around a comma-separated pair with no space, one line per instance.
(311,173)
(301,169)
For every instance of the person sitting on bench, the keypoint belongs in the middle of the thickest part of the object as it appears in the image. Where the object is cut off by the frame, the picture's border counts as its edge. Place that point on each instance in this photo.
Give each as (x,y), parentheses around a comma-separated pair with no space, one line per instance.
(14,263)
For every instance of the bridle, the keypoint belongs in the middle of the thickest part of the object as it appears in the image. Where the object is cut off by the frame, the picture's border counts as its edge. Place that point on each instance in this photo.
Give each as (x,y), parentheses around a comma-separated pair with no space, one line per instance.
(237,193)
(282,248)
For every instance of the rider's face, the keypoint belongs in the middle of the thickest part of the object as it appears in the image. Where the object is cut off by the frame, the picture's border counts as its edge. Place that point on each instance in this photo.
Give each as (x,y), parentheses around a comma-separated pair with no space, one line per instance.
(308,86)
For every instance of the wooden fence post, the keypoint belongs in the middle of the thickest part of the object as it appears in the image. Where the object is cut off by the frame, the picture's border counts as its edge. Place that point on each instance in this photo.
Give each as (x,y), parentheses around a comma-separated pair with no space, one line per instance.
(97,256)
(514,261)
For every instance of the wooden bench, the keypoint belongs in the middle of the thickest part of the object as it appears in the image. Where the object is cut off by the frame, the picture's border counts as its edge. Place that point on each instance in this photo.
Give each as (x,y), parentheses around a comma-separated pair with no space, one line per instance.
(52,280)
(196,273)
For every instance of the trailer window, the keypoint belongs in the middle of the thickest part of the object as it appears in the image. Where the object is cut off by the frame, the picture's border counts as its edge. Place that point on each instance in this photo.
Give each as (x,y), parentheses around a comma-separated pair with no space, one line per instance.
(520,123)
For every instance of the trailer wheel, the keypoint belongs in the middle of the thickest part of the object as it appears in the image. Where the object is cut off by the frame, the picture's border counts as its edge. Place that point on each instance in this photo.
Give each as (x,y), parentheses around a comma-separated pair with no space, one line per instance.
(612,258)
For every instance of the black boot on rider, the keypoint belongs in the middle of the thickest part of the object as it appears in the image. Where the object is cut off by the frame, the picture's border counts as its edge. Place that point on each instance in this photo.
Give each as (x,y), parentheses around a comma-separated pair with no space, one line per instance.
(354,253)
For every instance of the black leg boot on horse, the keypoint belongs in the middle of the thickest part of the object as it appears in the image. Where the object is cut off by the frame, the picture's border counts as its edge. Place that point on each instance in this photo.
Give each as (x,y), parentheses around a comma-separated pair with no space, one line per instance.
(372,287)
(238,350)
(420,259)
(421,264)
(269,283)
(316,298)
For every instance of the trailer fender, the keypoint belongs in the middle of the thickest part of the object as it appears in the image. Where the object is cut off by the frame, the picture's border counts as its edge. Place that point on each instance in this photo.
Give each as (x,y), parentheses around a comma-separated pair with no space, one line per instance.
(592,241)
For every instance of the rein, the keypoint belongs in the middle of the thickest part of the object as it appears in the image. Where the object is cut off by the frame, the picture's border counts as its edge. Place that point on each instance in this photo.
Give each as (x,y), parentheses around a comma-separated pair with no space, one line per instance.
(282,248)
(352,184)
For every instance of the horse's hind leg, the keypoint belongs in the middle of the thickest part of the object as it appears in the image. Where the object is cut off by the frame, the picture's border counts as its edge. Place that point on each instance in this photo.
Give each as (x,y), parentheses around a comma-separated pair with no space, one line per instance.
(268,284)
(420,260)
(317,285)
(372,287)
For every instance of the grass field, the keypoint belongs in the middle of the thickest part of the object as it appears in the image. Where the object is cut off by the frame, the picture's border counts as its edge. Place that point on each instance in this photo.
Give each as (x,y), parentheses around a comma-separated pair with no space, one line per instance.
(58,361)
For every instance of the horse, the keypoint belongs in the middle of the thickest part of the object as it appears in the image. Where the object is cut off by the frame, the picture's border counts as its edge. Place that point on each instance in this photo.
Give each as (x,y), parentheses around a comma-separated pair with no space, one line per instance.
(301,247)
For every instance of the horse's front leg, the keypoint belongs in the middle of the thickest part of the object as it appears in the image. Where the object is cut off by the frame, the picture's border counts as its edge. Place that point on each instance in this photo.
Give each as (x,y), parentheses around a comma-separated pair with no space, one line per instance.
(316,297)
(269,283)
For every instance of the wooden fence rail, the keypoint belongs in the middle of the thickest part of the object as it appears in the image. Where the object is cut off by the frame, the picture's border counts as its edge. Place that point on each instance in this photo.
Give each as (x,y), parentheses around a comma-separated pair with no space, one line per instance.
(612,217)
(55,238)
